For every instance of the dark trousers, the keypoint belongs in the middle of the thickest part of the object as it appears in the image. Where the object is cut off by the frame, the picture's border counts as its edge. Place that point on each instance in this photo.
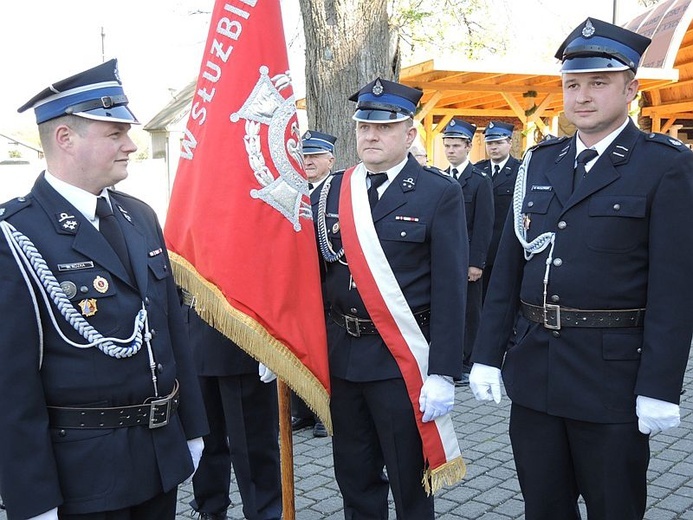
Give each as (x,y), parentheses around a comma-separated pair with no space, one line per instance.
(472,320)
(375,428)
(161,507)
(558,459)
(244,429)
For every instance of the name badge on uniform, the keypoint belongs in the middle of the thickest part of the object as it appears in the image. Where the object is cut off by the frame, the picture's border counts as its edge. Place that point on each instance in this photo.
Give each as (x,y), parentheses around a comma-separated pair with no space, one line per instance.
(541,188)
(75,266)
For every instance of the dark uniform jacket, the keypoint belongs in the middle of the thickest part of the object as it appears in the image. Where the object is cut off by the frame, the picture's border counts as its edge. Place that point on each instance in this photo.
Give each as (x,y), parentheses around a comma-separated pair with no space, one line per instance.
(623,240)
(478,208)
(427,250)
(503,186)
(86,470)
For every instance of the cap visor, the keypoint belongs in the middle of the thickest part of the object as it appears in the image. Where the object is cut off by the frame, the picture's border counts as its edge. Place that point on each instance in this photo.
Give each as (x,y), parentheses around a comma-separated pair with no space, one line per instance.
(119,114)
(593,64)
(378,116)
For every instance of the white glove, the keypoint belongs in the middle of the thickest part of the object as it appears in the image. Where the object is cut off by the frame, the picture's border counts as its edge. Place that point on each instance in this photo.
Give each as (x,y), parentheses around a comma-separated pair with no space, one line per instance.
(437,397)
(266,375)
(48,515)
(655,415)
(485,382)
(196,446)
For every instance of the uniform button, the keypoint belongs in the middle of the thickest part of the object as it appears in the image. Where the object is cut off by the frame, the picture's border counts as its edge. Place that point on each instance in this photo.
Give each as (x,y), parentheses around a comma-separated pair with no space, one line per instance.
(146,300)
(403,234)
(353,310)
(617,207)
(562,224)
(84,289)
(62,433)
(639,351)
(557,262)
(21,199)
(555,298)
(160,368)
(555,334)
(152,332)
(165,267)
(530,204)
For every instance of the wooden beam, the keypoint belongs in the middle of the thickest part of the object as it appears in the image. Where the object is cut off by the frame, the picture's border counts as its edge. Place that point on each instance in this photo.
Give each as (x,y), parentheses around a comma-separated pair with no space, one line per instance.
(516,107)
(669,108)
(482,87)
(428,106)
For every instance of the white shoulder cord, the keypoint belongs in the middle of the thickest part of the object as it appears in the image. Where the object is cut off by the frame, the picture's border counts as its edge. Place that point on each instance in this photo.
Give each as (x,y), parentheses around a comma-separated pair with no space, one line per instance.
(542,241)
(30,262)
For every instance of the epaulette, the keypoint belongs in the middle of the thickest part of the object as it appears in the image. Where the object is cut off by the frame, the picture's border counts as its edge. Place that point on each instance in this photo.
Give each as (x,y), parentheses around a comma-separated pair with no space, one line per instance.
(479,171)
(437,171)
(13,206)
(549,141)
(667,140)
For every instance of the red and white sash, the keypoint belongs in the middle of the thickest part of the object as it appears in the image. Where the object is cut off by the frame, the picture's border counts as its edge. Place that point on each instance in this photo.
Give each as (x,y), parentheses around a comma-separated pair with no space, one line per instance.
(396,324)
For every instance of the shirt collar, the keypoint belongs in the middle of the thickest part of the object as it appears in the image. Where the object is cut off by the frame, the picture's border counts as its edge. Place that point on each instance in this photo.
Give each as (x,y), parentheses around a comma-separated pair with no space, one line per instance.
(602,145)
(501,164)
(82,200)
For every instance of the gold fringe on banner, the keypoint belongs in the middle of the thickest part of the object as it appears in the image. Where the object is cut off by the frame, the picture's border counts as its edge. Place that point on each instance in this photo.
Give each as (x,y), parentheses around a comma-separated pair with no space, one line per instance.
(252,337)
(448,474)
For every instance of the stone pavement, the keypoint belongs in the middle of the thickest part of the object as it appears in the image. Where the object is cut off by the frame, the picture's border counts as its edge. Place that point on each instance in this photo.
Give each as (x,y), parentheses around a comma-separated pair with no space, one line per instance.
(490,490)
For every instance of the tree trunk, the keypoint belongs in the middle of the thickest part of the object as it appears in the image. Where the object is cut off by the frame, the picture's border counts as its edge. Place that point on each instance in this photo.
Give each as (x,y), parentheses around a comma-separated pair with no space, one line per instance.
(348,44)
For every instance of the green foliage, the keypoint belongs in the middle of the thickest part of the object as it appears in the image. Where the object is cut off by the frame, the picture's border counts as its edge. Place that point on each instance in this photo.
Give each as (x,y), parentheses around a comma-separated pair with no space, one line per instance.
(442,27)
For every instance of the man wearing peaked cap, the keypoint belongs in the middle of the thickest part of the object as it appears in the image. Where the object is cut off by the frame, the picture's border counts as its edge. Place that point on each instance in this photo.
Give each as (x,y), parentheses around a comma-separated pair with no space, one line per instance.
(478,206)
(393,238)
(110,419)
(502,168)
(588,311)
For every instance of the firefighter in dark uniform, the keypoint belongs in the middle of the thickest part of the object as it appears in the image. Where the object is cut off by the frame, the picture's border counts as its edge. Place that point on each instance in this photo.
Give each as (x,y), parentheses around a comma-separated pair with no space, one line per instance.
(478,208)
(244,427)
(418,216)
(318,160)
(502,168)
(589,310)
(101,409)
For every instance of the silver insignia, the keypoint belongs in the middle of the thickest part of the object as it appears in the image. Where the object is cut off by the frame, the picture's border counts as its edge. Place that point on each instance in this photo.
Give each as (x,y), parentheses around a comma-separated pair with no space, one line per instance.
(267,106)
(69,288)
(377,88)
(588,30)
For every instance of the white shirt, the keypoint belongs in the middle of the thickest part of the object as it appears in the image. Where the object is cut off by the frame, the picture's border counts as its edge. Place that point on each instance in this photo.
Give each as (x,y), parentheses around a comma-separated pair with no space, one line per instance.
(600,147)
(84,201)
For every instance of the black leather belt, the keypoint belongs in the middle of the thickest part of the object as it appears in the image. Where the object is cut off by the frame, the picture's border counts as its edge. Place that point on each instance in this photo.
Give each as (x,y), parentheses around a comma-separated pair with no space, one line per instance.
(358,327)
(554,317)
(153,414)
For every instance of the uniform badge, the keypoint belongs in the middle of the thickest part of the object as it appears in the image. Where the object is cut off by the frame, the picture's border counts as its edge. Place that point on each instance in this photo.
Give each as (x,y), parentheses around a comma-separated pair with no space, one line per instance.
(69,288)
(335,227)
(675,142)
(124,213)
(377,87)
(67,221)
(75,266)
(408,182)
(100,284)
(491,125)
(2,211)
(156,252)
(307,136)
(526,221)
(88,307)
(588,30)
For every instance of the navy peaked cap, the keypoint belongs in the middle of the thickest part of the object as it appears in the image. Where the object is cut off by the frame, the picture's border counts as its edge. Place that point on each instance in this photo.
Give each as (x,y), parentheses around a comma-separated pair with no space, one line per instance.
(96,93)
(459,129)
(497,130)
(383,101)
(597,46)
(317,142)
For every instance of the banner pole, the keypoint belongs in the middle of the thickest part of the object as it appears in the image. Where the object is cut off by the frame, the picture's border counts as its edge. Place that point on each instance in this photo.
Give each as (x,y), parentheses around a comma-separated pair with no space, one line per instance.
(286,450)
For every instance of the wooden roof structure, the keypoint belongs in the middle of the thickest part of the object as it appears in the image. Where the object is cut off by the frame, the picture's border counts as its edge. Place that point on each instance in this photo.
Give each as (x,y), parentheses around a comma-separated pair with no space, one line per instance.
(532,94)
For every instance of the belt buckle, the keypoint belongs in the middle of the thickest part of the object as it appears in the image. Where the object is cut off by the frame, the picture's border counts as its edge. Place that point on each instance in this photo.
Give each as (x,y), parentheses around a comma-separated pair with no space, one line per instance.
(155,410)
(352,327)
(553,321)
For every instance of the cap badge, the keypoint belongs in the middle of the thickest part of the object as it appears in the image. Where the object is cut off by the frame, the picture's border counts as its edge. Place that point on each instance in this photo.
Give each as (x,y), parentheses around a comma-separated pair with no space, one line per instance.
(588,30)
(377,88)
(452,123)
(491,125)
(307,135)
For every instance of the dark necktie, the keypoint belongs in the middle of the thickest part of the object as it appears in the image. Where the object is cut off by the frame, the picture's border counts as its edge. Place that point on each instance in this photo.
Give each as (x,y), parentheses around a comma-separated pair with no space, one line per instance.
(496,169)
(376,180)
(310,185)
(583,158)
(109,228)
(454,172)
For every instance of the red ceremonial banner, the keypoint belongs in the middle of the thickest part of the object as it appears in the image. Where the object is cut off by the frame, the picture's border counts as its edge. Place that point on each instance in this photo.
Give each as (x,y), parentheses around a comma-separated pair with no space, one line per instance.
(239,225)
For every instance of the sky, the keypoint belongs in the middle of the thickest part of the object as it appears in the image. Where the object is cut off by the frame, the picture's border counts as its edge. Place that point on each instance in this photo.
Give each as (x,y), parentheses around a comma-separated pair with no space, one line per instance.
(159,43)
